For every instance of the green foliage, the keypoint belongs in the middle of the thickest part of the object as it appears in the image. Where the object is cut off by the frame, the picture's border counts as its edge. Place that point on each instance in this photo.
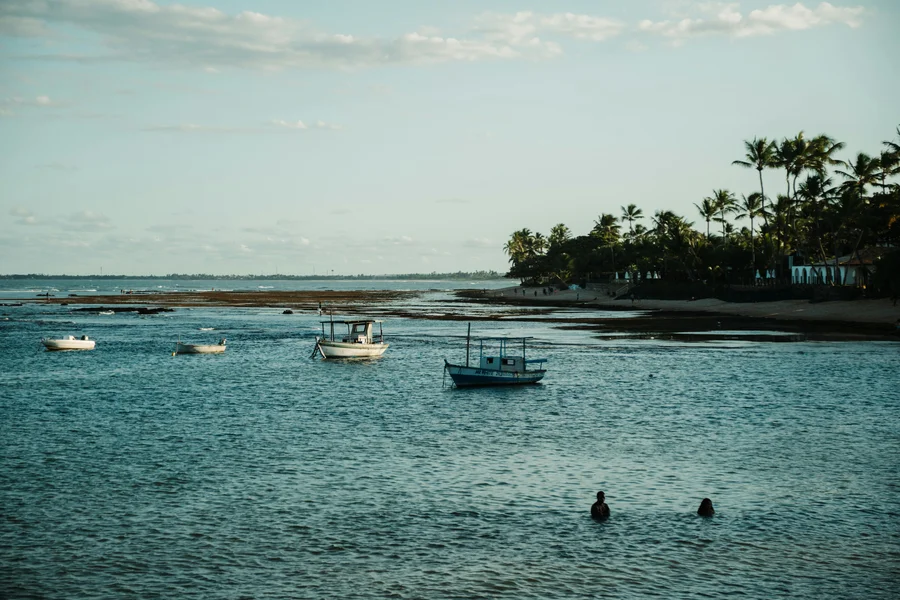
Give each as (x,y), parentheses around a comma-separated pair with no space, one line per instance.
(814,220)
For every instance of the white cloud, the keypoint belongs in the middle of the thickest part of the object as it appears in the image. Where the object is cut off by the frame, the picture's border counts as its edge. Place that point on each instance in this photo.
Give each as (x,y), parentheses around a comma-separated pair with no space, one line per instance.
(523,28)
(207,38)
(403,240)
(23,216)
(480,243)
(726,19)
(86,220)
(330,126)
(193,128)
(17,101)
(290,124)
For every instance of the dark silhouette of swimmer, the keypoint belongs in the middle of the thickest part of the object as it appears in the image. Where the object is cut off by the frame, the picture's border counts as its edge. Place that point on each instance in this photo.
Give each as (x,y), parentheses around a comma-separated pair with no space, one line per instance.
(706,508)
(599,509)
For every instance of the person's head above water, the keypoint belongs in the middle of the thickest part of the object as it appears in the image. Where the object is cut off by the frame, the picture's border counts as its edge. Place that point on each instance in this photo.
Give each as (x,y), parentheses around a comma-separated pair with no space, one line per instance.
(600,496)
(706,508)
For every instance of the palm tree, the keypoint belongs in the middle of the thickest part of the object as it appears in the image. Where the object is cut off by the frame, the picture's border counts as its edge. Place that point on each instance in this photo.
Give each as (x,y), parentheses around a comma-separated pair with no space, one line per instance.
(789,155)
(750,206)
(631,213)
(816,191)
(890,166)
(518,247)
(760,155)
(559,235)
(724,202)
(862,172)
(707,210)
(538,243)
(820,155)
(607,229)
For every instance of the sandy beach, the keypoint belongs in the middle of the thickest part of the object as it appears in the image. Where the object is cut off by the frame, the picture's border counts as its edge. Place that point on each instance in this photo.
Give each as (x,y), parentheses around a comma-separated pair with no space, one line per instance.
(834,320)
(881,310)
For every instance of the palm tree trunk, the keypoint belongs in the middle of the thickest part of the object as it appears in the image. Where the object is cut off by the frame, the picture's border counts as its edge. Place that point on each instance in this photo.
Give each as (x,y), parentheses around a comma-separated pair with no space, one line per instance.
(762,191)
(752,252)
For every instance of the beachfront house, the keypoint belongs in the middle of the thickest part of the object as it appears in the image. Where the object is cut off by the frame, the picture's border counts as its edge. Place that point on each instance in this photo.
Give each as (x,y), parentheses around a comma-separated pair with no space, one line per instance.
(851,270)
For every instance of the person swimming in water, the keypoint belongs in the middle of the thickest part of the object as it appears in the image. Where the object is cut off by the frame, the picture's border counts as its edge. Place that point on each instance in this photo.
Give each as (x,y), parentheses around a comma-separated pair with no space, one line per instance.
(599,509)
(706,508)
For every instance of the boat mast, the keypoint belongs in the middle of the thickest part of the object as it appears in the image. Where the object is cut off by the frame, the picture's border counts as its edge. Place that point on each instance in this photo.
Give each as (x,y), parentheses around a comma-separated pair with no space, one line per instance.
(524,365)
(468,335)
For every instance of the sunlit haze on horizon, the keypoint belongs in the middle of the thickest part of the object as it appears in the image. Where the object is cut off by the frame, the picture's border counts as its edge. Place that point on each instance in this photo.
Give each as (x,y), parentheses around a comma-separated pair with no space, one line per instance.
(354,137)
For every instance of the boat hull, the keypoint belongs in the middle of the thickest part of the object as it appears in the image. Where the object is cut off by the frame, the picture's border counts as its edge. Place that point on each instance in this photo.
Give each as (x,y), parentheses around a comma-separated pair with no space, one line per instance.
(199,348)
(68,344)
(330,349)
(464,376)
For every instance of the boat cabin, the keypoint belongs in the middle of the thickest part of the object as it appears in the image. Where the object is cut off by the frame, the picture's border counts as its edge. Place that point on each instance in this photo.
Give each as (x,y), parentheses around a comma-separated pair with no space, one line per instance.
(503,363)
(358,332)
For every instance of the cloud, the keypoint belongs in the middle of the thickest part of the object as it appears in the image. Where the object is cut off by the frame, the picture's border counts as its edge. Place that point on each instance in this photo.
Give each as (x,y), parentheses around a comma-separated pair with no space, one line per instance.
(193,128)
(23,216)
(403,240)
(480,243)
(726,20)
(329,126)
(209,39)
(523,28)
(452,201)
(7,104)
(290,124)
(87,221)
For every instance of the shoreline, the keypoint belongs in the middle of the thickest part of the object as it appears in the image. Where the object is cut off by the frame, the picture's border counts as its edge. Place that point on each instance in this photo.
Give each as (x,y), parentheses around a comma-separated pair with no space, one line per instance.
(708,318)
(877,319)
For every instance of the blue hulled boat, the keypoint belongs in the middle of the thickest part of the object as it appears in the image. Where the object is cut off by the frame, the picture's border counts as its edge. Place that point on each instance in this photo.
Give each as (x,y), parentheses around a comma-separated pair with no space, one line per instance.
(501,369)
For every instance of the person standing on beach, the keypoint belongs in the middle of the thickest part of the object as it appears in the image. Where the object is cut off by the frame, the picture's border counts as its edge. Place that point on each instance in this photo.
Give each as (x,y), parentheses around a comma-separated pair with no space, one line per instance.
(599,509)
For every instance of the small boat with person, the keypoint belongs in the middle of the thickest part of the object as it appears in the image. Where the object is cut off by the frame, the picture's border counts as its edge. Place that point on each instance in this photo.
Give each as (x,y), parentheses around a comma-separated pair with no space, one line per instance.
(69,342)
(499,369)
(360,341)
(182,348)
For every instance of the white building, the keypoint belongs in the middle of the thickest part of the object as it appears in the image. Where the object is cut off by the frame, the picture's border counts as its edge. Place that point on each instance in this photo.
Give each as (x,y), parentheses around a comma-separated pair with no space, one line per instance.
(851,270)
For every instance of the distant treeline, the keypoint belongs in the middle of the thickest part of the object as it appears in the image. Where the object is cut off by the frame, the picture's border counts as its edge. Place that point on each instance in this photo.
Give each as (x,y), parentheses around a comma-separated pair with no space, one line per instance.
(478,275)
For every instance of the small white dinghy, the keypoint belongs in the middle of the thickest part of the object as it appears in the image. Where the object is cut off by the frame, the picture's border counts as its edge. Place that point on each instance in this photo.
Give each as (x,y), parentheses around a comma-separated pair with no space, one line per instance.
(69,343)
(182,348)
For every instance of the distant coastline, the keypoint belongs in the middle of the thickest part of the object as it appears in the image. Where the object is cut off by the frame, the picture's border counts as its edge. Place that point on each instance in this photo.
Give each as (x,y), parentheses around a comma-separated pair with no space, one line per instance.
(461,275)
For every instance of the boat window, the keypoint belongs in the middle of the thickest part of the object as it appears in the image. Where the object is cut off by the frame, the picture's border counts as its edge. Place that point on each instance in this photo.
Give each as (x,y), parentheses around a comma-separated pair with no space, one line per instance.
(509,361)
(490,361)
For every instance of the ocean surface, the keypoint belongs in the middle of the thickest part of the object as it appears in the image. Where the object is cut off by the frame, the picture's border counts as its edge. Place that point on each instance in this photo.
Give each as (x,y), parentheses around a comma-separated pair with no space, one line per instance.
(126,472)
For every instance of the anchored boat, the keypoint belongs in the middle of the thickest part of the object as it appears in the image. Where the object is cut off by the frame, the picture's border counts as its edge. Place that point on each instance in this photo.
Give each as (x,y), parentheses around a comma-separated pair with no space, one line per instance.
(360,342)
(501,369)
(69,343)
(182,348)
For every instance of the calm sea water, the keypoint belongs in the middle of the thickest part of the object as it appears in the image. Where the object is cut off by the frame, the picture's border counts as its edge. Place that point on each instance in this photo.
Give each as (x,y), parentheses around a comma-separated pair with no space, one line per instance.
(126,472)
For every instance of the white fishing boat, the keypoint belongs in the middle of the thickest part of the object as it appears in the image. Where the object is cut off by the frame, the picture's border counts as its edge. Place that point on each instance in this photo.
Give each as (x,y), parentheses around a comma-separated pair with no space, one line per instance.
(360,342)
(500,369)
(182,348)
(106,312)
(69,342)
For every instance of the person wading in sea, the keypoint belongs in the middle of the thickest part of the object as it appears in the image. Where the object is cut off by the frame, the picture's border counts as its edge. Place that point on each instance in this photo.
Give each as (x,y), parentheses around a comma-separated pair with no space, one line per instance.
(599,509)
(706,508)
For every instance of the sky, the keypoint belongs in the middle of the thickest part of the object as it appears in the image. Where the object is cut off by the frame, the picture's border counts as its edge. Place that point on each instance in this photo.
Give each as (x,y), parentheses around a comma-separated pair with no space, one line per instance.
(145,137)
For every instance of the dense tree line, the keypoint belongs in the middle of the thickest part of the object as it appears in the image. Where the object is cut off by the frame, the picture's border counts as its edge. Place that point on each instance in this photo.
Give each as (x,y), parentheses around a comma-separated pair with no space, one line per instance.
(828,208)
